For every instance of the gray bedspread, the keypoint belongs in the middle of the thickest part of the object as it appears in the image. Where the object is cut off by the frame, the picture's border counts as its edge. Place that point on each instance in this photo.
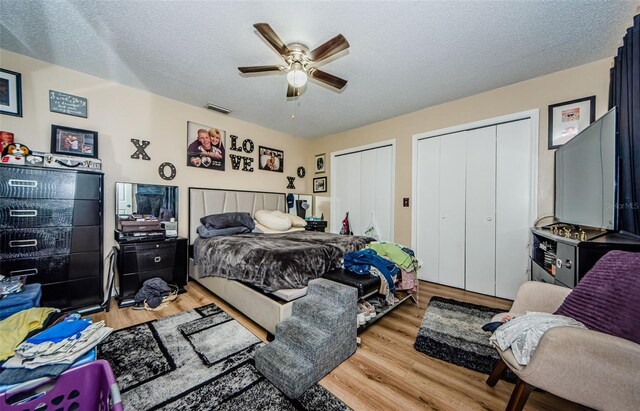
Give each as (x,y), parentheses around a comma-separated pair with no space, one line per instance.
(274,261)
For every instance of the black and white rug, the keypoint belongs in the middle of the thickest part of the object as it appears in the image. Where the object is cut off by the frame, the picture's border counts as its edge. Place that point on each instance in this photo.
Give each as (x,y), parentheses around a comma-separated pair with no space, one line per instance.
(451,331)
(198,360)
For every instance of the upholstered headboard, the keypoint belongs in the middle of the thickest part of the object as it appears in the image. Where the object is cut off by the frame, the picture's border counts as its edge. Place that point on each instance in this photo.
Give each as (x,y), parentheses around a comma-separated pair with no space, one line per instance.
(206,201)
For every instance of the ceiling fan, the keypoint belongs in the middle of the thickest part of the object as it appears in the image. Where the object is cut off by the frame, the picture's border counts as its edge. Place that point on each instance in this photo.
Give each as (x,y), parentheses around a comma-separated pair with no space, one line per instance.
(300,61)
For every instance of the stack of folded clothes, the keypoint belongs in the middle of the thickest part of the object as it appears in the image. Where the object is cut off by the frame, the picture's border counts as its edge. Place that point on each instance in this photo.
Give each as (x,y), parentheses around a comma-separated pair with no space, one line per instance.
(48,354)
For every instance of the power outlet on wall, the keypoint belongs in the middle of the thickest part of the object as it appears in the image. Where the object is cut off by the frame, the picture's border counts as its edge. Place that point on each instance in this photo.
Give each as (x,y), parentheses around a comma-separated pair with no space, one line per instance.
(405,202)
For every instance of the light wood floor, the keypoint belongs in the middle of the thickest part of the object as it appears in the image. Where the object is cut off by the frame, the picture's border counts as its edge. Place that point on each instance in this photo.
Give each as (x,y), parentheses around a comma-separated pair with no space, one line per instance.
(386,372)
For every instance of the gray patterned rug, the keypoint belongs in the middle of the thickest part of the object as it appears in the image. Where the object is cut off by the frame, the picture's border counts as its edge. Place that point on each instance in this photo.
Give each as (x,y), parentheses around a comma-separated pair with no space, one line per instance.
(451,331)
(198,360)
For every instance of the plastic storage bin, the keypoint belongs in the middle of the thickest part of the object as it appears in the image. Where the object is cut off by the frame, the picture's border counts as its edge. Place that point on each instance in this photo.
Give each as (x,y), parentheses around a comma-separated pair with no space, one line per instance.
(88,387)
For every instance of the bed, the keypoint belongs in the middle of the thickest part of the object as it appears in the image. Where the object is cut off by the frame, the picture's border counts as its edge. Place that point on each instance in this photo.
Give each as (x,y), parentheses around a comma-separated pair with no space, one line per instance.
(259,274)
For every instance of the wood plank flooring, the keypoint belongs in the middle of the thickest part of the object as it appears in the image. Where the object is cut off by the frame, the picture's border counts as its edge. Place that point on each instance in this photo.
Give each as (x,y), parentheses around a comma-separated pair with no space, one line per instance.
(386,372)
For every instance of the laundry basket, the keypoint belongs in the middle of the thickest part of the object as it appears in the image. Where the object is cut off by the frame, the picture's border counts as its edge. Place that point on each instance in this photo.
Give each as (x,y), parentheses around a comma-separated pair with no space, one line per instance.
(91,386)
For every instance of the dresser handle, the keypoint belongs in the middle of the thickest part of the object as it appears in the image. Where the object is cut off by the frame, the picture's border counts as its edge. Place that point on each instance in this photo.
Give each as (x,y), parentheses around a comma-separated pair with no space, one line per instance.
(157,259)
(23,213)
(23,183)
(23,243)
(28,271)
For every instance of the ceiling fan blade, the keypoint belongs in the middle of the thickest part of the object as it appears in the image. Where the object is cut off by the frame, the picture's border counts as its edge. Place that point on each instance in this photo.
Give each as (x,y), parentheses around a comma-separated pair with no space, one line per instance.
(260,69)
(292,91)
(267,32)
(328,49)
(326,78)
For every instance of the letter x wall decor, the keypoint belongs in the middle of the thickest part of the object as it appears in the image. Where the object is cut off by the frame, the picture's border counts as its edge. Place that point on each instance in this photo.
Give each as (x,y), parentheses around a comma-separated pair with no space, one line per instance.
(140,149)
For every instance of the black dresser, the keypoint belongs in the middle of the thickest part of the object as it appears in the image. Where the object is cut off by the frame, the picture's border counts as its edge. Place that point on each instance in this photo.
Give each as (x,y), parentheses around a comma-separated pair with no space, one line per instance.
(140,261)
(51,230)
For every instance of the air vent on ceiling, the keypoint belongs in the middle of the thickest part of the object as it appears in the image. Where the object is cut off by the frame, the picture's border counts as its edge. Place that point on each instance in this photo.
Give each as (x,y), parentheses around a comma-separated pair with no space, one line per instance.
(219,109)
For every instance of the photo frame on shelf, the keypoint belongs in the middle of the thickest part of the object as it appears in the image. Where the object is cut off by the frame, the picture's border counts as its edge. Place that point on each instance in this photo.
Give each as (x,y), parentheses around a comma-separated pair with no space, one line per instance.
(320,185)
(569,118)
(74,141)
(321,163)
(10,93)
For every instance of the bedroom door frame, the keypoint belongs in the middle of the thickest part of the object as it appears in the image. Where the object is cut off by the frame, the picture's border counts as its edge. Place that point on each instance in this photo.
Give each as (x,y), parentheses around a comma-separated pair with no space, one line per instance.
(352,150)
(533,114)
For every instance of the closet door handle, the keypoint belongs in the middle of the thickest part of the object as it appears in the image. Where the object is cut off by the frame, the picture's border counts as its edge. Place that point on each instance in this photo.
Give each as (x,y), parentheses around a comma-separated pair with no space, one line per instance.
(23,243)
(28,271)
(23,213)
(489,218)
(443,217)
(23,183)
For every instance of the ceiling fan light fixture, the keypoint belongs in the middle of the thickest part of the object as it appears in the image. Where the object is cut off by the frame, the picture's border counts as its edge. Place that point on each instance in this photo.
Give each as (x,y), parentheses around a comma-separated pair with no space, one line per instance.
(297,77)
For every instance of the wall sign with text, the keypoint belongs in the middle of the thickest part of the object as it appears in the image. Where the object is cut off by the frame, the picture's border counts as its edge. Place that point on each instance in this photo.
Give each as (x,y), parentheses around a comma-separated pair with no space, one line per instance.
(67,104)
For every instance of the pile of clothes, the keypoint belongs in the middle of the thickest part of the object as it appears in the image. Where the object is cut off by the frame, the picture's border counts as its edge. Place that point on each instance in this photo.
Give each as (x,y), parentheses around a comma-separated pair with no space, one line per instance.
(396,265)
(50,350)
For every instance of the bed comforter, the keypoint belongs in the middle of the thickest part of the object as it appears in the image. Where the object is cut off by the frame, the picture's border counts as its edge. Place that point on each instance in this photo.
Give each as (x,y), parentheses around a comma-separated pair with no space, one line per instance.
(274,261)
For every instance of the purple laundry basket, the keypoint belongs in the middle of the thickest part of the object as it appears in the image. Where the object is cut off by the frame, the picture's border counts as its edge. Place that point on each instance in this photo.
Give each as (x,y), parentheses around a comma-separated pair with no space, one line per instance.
(91,386)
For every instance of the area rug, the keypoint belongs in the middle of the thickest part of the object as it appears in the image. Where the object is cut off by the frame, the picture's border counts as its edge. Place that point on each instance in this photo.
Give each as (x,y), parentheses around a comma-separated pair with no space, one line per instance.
(451,331)
(198,360)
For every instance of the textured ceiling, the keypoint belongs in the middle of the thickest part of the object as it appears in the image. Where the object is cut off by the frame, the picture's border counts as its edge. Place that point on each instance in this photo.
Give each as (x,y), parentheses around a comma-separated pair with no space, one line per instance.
(404,56)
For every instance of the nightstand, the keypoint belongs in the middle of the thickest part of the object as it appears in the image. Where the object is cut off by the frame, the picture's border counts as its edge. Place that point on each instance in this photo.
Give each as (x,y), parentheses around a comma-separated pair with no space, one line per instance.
(316,225)
(139,261)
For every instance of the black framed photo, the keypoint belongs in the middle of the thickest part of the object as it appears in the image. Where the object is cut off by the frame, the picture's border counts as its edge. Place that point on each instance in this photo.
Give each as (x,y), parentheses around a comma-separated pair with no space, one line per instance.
(271,159)
(206,146)
(320,185)
(74,141)
(10,93)
(567,119)
(320,163)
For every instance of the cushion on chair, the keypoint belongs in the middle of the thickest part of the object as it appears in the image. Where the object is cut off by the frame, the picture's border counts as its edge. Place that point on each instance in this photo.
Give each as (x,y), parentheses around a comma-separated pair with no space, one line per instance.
(608,297)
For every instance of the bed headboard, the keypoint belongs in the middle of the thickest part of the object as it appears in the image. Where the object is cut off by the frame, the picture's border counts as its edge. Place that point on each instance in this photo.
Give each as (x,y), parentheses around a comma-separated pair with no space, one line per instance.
(206,201)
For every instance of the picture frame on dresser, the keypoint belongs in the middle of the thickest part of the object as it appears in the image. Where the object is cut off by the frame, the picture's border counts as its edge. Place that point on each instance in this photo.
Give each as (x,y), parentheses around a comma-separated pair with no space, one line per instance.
(74,141)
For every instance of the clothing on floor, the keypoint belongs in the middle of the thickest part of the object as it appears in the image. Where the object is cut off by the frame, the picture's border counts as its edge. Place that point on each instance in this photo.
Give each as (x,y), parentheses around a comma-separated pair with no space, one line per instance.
(408,282)
(523,333)
(15,328)
(69,327)
(152,291)
(360,262)
(29,297)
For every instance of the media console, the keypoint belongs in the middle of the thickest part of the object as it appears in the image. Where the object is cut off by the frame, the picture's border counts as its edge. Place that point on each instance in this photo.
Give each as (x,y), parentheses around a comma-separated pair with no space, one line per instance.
(562,254)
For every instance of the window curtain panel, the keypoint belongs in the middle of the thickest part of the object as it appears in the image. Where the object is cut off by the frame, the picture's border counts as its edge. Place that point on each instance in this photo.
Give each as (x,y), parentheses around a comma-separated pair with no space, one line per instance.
(624,93)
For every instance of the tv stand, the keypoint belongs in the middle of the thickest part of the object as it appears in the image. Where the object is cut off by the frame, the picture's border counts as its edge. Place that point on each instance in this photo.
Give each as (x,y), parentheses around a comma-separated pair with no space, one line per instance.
(562,254)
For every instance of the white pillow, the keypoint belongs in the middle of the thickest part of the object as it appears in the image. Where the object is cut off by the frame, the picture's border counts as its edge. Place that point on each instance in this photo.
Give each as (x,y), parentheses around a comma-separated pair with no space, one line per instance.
(297,221)
(273,221)
(265,230)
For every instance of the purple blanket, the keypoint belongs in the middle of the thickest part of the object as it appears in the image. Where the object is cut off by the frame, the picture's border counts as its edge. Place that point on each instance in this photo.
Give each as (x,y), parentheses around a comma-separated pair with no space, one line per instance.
(607,299)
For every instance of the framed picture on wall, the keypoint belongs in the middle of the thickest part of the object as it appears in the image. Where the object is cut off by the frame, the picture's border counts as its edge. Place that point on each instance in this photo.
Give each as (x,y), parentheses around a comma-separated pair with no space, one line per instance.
(205,146)
(320,185)
(569,118)
(10,93)
(271,159)
(320,163)
(74,141)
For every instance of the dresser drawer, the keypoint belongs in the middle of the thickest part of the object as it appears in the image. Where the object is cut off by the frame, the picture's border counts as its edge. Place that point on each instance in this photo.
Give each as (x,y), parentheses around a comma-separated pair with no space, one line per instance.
(24,182)
(72,294)
(44,242)
(55,268)
(146,257)
(17,213)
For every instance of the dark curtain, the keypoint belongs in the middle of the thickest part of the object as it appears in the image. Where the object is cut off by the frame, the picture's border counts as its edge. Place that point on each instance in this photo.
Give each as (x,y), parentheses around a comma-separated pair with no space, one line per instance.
(624,93)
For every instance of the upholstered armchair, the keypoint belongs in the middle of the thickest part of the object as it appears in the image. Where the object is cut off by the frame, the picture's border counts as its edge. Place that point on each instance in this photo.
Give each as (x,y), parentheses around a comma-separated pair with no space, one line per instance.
(584,366)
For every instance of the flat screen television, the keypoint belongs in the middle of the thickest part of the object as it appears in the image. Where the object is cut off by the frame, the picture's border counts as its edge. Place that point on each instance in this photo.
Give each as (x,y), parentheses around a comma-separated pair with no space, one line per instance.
(586,176)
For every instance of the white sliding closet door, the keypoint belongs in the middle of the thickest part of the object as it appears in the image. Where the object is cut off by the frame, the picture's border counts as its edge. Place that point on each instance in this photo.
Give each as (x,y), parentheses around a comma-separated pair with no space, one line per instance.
(362,184)
(428,208)
(481,210)
(513,205)
(451,255)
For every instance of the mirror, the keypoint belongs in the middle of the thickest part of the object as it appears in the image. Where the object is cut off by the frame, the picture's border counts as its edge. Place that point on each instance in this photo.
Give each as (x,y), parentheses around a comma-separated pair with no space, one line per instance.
(146,201)
(300,205)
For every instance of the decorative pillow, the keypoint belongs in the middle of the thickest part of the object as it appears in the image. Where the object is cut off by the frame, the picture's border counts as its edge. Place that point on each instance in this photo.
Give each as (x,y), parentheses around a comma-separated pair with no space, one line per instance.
(275,221)
(608,296)
(226,220)
(265,230)
(297,221)
(205,232)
